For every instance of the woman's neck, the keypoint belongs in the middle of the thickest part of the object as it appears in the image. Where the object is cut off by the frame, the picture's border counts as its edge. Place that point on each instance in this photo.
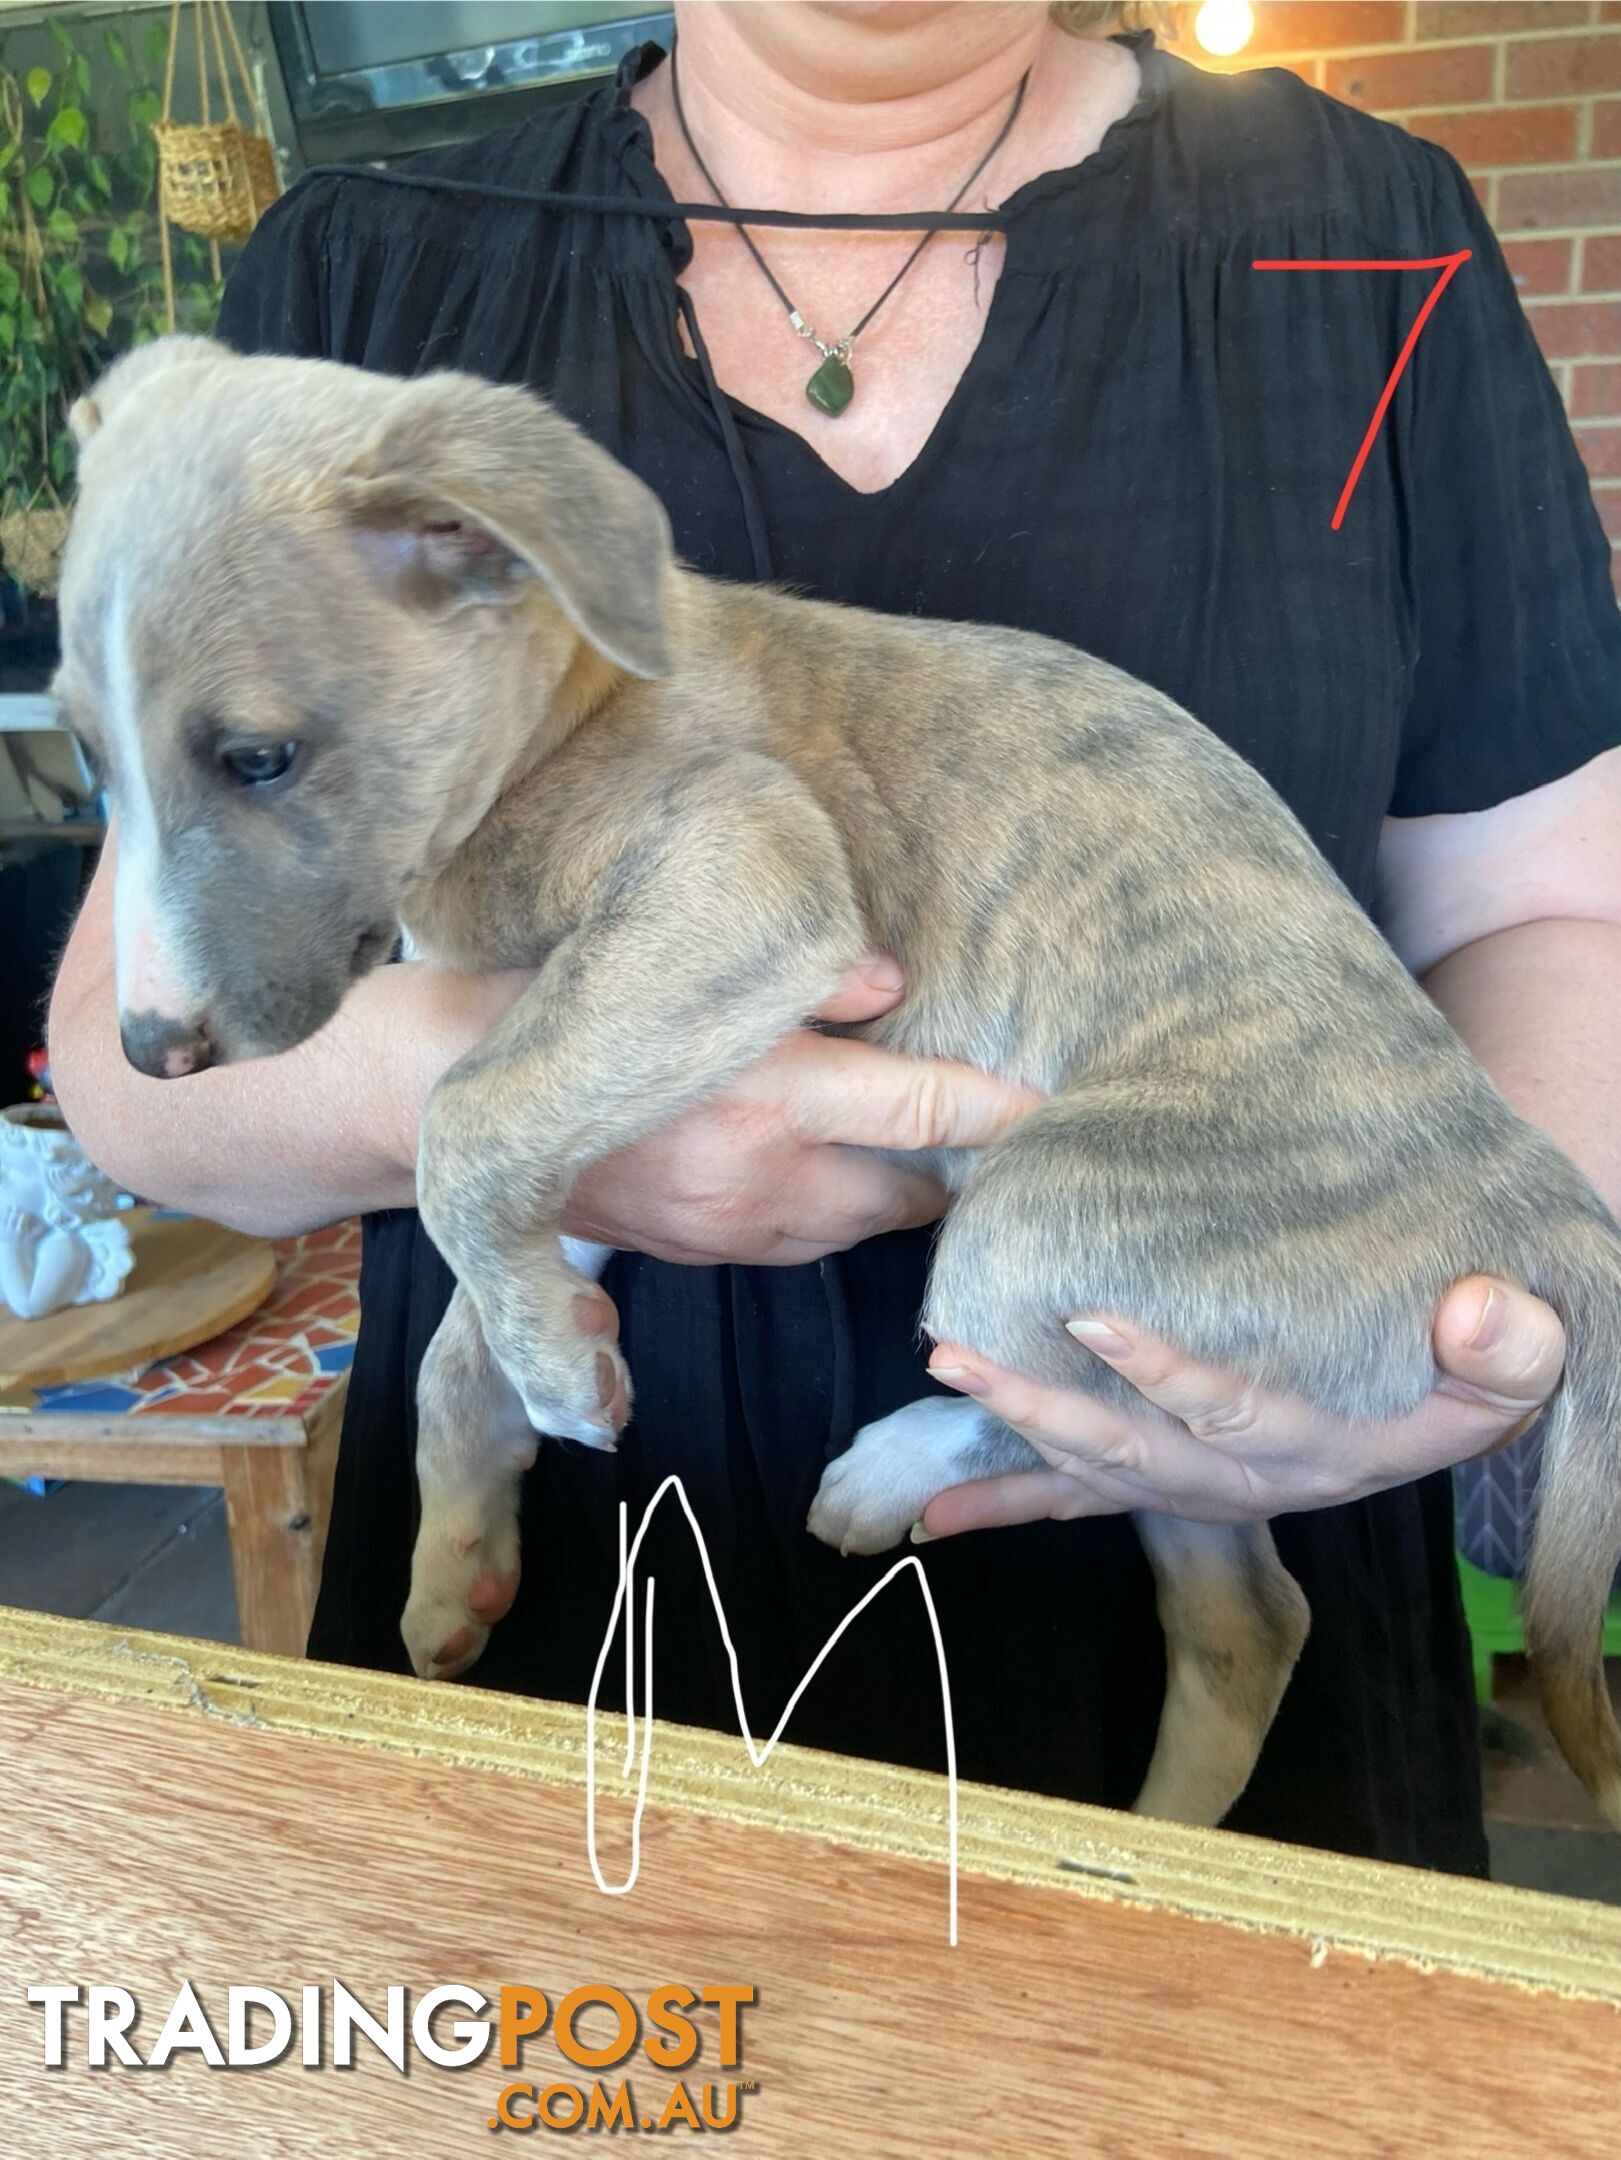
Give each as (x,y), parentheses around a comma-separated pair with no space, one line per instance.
(843,125)
(852,108)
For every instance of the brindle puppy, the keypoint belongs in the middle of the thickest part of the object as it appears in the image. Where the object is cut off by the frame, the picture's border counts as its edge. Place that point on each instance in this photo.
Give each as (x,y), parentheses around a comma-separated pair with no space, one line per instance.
(359,652)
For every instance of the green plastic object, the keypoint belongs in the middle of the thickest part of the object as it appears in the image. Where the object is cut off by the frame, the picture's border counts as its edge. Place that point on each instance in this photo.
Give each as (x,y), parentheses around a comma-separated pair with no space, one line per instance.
(1491,1606)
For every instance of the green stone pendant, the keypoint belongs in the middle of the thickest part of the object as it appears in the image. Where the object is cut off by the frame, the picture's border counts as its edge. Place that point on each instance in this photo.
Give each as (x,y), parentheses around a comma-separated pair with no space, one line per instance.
(832,387)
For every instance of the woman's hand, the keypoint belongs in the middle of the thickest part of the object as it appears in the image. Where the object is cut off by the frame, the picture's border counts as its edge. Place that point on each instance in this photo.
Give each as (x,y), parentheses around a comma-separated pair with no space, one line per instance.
(771,1171)
(1234,1453)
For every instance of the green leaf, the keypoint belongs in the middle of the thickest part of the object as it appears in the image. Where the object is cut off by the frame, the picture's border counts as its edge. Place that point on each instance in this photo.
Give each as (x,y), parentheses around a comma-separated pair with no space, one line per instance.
(118,247)
(98,313)
(144,108)
(79,71)
(157,43)
(11,285)
(8,332)
(68,126)
(8,152)
(41,188)
(39,84)
(70,284)
(100,177)
(117,50)
(61,228)
(61,40)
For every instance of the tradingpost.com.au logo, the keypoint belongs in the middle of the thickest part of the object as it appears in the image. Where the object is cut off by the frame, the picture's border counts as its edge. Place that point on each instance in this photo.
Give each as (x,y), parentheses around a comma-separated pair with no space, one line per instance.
(691,2032)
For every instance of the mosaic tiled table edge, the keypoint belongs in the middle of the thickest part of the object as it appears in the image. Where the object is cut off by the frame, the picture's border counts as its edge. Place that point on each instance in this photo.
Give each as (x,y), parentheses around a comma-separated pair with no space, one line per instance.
(279,1362)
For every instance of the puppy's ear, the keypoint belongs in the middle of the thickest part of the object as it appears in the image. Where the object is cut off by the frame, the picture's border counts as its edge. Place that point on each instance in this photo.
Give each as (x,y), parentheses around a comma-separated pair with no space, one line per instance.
(469,492)
(133,372)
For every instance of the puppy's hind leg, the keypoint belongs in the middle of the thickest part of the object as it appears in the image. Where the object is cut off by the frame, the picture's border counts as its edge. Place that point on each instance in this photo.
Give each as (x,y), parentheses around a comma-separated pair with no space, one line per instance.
(1234,1621)
(872,1494)
(474,1443)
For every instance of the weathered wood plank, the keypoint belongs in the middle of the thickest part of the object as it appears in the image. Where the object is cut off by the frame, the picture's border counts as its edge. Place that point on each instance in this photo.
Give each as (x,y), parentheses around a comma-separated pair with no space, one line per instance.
(172,1810)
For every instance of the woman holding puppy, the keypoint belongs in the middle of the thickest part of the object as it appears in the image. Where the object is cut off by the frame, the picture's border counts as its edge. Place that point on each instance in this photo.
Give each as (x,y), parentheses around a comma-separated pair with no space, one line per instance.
(1095,419)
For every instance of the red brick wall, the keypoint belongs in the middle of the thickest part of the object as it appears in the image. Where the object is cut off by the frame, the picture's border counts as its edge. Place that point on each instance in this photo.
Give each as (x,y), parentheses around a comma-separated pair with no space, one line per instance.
(1526,94)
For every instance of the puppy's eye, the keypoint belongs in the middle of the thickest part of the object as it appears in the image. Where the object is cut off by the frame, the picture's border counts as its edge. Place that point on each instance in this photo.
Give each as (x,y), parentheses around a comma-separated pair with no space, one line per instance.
(256,765)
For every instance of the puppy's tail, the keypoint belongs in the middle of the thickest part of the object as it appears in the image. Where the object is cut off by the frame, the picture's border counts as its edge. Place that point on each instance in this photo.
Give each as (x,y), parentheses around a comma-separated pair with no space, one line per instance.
(1577,1541)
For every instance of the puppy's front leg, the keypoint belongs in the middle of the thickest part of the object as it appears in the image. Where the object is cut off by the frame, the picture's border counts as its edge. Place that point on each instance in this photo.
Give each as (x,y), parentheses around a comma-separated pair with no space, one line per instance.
(703,945)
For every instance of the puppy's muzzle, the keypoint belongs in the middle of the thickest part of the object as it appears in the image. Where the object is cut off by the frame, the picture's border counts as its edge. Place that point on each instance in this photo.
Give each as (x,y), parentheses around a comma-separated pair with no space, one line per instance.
(166,1049)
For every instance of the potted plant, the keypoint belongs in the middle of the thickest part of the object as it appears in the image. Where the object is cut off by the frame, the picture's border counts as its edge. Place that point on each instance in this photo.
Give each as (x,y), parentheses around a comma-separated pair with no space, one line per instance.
(81,277)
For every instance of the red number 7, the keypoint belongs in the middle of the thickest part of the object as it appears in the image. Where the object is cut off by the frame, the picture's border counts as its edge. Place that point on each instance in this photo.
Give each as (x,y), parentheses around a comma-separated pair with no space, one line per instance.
(1449,266)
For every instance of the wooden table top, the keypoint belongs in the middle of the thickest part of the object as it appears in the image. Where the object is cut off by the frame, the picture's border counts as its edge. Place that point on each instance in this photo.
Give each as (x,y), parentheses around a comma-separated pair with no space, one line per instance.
(175,1811)
(277,1366)
(191,1281)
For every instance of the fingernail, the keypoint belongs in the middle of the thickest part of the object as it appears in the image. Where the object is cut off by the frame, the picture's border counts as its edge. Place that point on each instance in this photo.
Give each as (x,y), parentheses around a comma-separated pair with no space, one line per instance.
(960,1378)
(1492,1325)
(885,974)
(920,1536)
(1099,1336)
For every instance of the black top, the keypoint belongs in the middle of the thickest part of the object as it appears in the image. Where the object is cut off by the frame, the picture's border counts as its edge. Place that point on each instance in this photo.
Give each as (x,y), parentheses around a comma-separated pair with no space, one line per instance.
(1143,457)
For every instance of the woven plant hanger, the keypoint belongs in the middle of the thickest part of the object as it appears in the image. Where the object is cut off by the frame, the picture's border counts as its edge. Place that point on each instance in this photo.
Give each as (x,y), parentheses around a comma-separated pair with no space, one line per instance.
(215,177)
(32,535)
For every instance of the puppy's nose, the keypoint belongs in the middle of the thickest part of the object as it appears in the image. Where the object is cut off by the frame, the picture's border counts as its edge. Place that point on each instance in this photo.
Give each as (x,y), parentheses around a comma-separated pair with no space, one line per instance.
(166,1049)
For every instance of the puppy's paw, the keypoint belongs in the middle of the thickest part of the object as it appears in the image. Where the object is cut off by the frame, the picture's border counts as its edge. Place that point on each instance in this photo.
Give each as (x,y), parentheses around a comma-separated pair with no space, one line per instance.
(870,1497)
(854,1513)
(551,1330)
(463,1580)
(593,1409)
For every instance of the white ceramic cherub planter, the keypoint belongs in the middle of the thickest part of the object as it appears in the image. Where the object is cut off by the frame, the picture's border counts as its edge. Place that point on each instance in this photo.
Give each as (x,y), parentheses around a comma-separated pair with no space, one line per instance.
(61,1239)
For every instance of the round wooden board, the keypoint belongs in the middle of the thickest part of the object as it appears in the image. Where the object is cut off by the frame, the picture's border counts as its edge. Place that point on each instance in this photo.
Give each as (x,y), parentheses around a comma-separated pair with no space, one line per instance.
(191,1281)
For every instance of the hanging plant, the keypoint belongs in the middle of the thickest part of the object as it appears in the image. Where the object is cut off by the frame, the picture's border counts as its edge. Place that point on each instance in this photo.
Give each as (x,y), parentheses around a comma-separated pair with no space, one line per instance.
(81,264)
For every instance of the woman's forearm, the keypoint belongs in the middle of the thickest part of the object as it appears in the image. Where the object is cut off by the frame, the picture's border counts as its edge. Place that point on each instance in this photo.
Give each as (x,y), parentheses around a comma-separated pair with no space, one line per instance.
(775,1168)
(330,1129)
(278,1146)
(274,1147)
(1540,1007)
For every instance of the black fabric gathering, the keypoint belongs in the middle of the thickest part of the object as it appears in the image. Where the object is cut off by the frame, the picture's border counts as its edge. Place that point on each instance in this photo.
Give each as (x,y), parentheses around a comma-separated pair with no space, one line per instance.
(1142,458)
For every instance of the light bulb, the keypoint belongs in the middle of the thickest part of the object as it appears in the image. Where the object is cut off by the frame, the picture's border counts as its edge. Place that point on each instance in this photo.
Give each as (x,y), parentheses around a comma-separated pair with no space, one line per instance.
(1224,27)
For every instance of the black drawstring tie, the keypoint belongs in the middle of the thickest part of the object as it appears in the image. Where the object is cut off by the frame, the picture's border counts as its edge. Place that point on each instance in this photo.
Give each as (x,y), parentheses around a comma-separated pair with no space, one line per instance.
(978,222)
(736,456)
(680,213)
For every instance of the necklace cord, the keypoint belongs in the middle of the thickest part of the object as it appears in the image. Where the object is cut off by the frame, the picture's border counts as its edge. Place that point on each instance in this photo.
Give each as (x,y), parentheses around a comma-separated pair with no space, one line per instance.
(720,212)
(765,268)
